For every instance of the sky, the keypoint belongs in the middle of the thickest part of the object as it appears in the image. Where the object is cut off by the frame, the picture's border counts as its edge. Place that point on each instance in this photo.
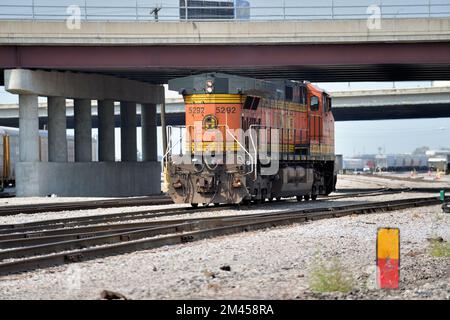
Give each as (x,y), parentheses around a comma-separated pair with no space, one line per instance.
(356,137)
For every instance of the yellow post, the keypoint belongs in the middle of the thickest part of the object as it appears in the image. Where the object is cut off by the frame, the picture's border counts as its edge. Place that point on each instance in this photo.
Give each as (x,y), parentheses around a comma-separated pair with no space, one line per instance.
(438,174)
(165,185)
(6,160)
(388,258)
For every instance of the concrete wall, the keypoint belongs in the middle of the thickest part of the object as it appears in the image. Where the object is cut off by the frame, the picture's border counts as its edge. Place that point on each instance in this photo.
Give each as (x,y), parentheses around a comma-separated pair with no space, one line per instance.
(79,179)
(225,32)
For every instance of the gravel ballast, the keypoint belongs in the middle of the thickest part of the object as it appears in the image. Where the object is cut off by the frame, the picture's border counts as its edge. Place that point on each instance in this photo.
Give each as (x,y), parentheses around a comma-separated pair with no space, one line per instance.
(266,264)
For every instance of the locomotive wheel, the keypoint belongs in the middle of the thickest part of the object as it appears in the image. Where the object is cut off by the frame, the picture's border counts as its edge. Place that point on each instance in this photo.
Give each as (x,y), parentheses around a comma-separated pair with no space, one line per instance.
(257,201)
(194,205)
(270,199)
(314,197)
(216,204)
(299,198)
(306,197)
(278,198)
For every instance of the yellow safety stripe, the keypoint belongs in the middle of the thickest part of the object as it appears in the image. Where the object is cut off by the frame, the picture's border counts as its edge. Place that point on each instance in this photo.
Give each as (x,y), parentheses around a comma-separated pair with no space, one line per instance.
(213,98)
(285,148)
(239,99)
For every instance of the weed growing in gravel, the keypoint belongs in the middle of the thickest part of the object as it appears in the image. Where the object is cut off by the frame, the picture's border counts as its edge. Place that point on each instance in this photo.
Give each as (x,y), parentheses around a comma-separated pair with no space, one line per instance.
(329,276)
(440,249)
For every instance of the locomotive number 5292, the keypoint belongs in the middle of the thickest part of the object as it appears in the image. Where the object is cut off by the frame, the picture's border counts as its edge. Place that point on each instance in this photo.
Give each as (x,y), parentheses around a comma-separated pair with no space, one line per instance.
(225,109)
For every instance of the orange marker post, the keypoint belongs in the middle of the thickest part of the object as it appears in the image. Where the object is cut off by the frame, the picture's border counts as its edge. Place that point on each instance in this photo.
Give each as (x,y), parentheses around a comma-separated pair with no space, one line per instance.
(388,258)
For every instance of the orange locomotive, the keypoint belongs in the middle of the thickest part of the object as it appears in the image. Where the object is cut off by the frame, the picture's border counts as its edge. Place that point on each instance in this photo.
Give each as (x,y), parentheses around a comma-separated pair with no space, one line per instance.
(251,140)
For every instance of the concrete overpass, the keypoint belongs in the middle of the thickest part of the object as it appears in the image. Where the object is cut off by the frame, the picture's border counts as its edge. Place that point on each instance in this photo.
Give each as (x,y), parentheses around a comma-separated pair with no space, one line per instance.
(84,177)
(102,61)
(411,103)
(431,102)
(332,50)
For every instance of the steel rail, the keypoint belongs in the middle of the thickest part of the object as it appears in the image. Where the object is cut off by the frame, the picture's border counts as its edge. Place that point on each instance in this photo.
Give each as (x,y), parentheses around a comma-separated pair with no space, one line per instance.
(98,219)
(83,205)
(27,229)
(24,238)
(119,236)
(42,228)
(126,243)
(111,217)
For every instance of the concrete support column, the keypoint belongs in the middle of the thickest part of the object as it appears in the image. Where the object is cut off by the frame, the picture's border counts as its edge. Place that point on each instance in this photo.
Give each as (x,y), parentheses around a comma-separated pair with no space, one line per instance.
(83,130)
(128,131)
(57,136)
(163,124)
(106,140)
(149,138)
(28,128)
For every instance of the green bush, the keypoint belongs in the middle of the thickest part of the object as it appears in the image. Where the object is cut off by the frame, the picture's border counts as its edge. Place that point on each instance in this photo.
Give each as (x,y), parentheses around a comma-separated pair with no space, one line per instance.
(440,249)
(329,276)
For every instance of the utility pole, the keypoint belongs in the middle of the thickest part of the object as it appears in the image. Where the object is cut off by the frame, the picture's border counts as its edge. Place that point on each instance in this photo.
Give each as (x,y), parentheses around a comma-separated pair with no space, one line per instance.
(155,12)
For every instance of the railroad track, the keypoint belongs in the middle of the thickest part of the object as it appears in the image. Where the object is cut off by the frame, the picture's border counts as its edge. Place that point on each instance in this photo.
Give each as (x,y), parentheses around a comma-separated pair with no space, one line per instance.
(84,205)
(378,179)
(129,202)
(408,179)
(73,228)
(79,245)
(405,189)
(53,227)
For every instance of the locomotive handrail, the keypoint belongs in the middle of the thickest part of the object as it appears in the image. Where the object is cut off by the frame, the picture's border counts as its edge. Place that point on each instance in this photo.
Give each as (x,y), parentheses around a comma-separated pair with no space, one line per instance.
(243,148)
(256,150)
(171,146)
(169,138)
(255,147)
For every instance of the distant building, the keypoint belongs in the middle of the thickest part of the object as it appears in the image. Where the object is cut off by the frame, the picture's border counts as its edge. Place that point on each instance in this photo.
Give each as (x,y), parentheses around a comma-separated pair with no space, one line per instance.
(210,9)
(387,162)
(439,160)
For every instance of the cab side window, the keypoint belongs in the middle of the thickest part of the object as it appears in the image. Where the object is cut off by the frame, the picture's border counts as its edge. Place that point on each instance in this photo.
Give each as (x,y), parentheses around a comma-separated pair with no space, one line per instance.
(314,103)
(327,103)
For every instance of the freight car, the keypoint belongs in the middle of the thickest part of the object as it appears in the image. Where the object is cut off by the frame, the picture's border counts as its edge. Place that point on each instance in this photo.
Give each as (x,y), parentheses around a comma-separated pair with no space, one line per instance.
(9,152)
(401,162)
(250,140)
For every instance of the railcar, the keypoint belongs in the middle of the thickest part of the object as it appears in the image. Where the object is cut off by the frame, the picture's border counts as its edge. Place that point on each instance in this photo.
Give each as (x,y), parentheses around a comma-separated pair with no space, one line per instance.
(9,152)
(250,140)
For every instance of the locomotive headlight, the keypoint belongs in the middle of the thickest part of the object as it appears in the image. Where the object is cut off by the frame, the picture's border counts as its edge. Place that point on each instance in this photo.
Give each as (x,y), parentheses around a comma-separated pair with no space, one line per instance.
(177,184)
(209,86)
(237,183)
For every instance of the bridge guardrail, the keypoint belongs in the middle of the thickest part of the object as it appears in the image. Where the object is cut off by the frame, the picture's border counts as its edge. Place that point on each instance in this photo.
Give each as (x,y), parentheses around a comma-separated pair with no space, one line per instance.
(136,10)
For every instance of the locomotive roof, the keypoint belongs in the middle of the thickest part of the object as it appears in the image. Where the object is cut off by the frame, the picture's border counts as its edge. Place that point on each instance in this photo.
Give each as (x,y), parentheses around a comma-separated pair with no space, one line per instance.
(231,84)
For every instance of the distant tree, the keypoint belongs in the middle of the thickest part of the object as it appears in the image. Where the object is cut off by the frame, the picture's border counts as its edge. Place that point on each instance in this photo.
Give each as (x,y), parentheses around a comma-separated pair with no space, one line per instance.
(421,150)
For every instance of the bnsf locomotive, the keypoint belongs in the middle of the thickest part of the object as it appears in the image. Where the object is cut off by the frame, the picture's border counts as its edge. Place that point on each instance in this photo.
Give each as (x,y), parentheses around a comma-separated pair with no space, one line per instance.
(250,140)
